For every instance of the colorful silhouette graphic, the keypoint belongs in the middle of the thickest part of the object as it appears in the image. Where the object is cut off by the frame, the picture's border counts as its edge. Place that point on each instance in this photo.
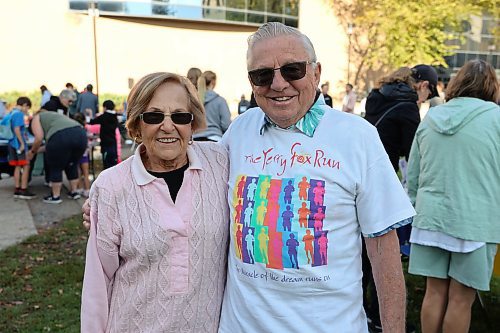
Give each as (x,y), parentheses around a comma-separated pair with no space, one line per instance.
(264,187)
(289,189)
(263,240)
(248,214)
(261,213)
(318,219)
(238,208)
(251,190)
(308,240)
(241,186)
(269,230)
(292,245)
(287,216)
(274,190)
(319,192)
(250,241)
(323,248)
(239,238)
(303,215)
(303,187)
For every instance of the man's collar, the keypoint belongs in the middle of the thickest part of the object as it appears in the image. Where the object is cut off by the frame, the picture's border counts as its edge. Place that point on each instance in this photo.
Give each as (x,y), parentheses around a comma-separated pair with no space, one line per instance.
(111,111)
(306,124)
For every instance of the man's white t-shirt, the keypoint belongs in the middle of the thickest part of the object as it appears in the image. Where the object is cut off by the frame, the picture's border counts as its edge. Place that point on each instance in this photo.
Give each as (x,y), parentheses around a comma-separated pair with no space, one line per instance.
(345,179)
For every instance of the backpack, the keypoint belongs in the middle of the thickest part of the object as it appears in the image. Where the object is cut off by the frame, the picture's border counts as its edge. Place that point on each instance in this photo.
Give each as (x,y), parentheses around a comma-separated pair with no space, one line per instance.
(6,129)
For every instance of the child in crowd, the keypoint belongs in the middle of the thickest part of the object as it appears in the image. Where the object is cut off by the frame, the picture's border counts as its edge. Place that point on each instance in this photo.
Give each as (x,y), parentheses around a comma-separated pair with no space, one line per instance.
(83,181)
(109,123)
(18,148)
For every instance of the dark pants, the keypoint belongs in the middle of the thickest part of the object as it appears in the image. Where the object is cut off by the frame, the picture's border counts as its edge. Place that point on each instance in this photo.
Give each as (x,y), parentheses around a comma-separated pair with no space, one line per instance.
(109,156)
(63,151)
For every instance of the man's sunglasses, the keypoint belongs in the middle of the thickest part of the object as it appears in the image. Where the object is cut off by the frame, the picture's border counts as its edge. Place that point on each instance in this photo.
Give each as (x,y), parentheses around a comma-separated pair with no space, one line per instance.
(178,118)
(289,72)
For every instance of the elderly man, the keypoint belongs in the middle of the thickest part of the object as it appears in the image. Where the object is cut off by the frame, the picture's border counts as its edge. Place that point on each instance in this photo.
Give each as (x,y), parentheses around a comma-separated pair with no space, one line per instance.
(61,103)
(296,136)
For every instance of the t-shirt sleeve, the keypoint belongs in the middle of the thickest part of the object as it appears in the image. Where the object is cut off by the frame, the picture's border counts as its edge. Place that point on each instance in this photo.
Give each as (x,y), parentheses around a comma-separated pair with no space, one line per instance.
(380,198)
(17,120)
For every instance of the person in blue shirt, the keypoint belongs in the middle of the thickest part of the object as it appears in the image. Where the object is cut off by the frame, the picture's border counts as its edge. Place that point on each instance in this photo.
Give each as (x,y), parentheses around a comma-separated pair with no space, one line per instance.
(18,148)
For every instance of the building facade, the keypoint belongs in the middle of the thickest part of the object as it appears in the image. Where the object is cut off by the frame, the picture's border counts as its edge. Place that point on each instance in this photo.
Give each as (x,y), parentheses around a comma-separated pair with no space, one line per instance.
(112,44)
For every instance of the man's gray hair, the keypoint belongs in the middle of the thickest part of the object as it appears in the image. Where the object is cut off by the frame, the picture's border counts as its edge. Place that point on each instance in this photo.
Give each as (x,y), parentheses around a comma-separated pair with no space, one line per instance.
(68,94)
(276,29)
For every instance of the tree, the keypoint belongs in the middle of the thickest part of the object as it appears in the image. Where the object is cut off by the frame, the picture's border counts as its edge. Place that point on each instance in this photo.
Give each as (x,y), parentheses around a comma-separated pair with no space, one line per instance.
(389,34)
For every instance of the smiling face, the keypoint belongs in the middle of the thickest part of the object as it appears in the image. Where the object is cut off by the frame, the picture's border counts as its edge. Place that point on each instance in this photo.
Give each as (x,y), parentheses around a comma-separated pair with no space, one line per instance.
(284,102)
(166,143)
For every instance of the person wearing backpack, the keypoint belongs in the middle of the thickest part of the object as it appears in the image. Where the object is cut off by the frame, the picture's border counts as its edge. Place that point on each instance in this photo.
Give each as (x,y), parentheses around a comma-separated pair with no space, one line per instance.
(393,108)
(18,148)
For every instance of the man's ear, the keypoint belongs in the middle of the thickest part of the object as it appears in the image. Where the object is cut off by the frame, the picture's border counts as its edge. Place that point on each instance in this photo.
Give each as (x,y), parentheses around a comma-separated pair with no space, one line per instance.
(317,73)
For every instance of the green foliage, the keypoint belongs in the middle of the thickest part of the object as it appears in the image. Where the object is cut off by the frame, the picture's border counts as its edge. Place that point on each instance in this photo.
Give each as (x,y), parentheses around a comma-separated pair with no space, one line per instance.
(11,96)
(394,33)
(117,99)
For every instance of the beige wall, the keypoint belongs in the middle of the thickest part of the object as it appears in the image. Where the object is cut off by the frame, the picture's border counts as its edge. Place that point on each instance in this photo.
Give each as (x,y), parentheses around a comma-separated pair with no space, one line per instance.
(44,43)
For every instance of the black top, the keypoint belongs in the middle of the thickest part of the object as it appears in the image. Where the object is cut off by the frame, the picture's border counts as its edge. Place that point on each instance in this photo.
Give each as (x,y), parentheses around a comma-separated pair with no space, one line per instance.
(54,104)
(328,100)
(173,179)
(109,123)
(398,127)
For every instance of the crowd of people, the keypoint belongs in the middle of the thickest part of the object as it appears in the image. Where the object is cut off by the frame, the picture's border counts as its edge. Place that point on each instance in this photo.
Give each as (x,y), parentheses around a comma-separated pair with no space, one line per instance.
(61,129)
(292,217)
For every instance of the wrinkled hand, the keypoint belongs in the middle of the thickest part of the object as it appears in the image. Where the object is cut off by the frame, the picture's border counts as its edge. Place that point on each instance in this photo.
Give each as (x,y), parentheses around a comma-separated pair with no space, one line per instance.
(86,214)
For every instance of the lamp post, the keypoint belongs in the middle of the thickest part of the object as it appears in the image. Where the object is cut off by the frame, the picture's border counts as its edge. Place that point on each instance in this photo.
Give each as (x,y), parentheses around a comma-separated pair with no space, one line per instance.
(94,13)
(350,29)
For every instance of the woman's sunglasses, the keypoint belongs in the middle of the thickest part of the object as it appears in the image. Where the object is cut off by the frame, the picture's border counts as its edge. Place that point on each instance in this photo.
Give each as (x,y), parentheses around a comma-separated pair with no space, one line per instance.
(290,72)
(178,118)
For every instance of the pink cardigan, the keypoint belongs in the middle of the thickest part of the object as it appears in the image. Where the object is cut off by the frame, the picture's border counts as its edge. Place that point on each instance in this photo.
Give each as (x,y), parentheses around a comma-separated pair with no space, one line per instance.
(153,265)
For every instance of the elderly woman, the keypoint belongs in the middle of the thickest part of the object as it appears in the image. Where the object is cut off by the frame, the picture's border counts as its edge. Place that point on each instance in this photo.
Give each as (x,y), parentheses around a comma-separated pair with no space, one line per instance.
(453,181)
(156,256)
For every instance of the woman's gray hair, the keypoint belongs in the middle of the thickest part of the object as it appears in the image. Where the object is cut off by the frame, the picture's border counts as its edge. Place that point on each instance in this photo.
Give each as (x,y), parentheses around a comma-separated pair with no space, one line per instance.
(276,29)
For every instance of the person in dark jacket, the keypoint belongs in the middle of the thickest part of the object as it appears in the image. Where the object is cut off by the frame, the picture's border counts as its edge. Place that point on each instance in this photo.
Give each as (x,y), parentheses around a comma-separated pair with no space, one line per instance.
(61,103)
(216,109)
(403,91)
(393,108)
(107,134)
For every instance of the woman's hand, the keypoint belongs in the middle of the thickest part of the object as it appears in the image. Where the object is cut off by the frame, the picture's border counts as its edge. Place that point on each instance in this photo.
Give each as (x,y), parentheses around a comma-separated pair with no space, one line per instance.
(86,214)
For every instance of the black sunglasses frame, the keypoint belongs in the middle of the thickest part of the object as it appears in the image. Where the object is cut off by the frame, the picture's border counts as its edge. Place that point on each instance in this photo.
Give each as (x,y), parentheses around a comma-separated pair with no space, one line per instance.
(174,117)
(269,73)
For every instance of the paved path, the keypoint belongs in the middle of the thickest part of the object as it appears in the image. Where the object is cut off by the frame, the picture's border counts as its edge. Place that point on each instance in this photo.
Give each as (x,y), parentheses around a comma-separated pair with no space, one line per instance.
(20,218)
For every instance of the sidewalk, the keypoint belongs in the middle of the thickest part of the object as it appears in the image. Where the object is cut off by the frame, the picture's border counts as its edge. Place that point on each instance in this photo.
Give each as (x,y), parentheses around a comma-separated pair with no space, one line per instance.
(20,218)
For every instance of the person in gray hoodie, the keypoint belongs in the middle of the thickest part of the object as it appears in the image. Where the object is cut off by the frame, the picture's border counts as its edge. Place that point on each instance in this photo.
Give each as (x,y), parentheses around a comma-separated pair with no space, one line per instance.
(216,109)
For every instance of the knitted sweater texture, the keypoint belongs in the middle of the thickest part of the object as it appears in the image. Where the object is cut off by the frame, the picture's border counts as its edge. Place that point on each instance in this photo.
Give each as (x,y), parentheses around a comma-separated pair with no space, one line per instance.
(153,265)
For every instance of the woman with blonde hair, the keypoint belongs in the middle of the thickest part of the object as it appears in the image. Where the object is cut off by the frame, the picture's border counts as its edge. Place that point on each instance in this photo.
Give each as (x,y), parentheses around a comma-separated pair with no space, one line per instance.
(156,255)
(216,109)
(193,75)
(453,181)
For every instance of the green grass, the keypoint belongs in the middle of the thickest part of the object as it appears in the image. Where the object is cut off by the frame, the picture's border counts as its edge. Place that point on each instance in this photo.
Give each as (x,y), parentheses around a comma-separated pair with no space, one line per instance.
(41,282)
(484,320)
